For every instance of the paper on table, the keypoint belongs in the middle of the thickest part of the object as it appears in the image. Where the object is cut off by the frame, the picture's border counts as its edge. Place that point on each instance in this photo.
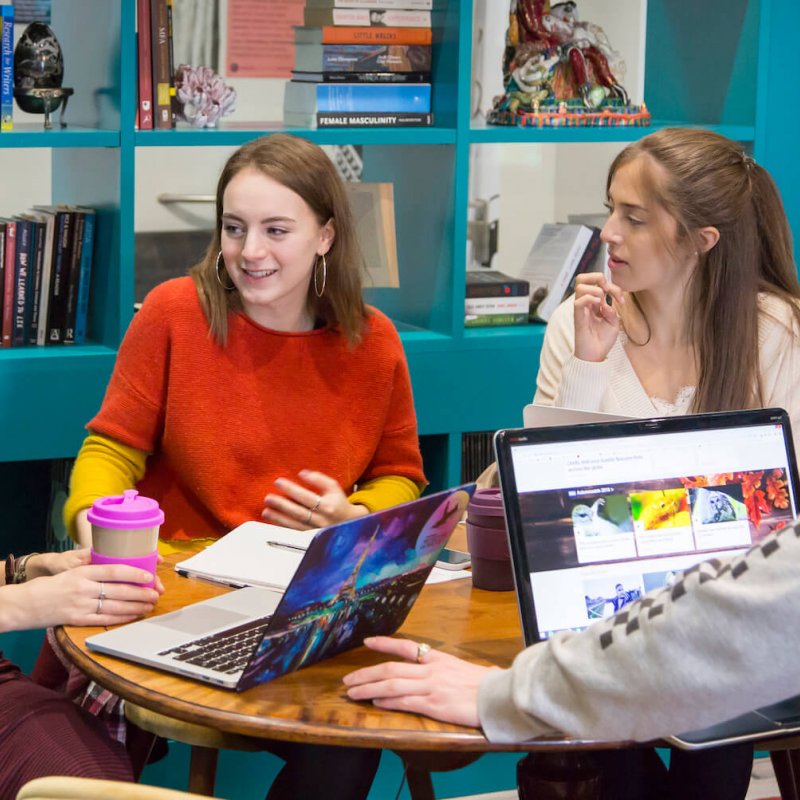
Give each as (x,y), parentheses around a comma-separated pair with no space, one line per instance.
(439,575)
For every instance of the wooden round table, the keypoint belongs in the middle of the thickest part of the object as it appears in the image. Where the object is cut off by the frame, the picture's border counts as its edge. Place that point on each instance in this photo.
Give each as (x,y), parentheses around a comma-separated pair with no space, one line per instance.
(310,705)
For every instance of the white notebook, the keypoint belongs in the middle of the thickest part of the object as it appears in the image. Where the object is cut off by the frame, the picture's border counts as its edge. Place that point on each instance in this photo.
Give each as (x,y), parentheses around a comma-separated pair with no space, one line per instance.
(259,554)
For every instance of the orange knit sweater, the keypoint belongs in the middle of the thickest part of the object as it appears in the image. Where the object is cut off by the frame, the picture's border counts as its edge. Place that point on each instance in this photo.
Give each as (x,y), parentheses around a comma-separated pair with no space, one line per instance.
(223,423)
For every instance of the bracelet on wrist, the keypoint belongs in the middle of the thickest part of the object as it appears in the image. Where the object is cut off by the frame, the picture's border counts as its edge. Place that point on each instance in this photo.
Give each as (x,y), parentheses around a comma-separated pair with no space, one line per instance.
(10,569)
(21,567)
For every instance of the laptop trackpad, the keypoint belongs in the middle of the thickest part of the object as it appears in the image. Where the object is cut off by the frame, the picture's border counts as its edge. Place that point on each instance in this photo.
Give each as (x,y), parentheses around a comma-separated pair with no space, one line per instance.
(195,619)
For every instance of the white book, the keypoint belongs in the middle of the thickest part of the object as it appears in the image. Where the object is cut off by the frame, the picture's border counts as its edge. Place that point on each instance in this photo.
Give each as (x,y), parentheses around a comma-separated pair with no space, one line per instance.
(552,263)
(496,305)
(419,5)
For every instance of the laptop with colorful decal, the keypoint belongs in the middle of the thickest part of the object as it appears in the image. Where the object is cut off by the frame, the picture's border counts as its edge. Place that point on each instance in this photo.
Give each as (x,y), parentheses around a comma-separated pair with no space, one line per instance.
(358,578)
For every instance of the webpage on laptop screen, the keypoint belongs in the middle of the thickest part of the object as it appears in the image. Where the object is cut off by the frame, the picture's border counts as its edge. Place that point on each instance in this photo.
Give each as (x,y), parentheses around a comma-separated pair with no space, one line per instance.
(605,521)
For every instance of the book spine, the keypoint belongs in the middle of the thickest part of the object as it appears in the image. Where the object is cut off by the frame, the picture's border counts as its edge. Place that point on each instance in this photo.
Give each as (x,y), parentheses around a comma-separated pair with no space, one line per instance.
(47,266)
(496,305)
(59,275)
(332,34)
(74,277)
(334,119)
(417,5)
(35,281)
(145,67)
(21,266)
(366,77)
(2,268)
(367,58)
(508,289)
(7,68)
(84,284)
(491,320)
(414,97)
(159,24)
(395,18)
(8,282)
(171,61)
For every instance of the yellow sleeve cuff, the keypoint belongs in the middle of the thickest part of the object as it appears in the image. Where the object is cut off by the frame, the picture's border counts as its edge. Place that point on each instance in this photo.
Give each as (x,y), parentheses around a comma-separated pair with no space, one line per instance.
(103,467)
(385,492)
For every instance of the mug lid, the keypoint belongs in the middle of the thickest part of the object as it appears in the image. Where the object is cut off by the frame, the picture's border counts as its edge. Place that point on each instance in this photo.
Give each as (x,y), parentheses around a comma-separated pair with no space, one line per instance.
(126,510)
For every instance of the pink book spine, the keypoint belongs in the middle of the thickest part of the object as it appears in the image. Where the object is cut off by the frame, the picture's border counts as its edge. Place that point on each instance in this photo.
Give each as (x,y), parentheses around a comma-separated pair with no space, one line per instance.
(8,288)
(143,36)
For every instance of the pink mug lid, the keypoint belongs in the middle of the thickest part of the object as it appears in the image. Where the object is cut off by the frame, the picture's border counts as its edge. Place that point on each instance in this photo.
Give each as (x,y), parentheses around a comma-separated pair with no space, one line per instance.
(124,511)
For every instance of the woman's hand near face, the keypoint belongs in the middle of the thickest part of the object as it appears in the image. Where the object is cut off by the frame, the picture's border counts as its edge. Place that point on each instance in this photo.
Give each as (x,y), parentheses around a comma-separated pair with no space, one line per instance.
(304,508)
(596,322)
(440,686)
(73,597)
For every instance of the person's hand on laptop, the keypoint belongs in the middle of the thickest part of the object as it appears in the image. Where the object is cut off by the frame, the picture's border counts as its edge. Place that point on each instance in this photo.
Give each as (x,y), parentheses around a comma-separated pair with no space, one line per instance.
(316,502)
(596,322)
(435,684)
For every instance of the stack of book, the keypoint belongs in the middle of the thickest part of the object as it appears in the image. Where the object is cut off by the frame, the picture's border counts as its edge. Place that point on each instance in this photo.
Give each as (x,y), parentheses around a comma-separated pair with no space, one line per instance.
(45,274)
(6,65)
(493,298)
(155,64)
(361,63)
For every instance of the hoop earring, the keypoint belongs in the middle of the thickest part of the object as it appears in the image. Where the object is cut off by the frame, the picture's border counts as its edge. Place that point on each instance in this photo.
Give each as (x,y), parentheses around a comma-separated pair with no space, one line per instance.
(317,291)
(219,279)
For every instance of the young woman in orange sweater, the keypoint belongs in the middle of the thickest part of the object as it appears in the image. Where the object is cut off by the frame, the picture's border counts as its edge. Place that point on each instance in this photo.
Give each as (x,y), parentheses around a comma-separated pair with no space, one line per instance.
(262,387)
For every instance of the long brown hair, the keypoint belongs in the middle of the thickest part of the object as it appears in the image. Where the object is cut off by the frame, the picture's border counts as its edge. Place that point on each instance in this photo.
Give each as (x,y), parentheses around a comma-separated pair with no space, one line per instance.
(304,168)
(708,180)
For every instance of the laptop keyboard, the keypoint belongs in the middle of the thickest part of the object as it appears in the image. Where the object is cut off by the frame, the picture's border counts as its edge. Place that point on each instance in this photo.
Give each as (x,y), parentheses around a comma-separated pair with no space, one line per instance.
(226,652)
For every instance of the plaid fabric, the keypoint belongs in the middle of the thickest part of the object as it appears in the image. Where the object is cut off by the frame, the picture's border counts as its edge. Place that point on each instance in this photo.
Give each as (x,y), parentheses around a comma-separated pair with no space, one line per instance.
(99,702)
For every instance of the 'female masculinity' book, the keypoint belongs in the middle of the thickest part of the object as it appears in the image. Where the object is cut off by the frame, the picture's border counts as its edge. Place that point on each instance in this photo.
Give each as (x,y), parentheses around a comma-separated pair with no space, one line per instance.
(421,5)
(553,261)
(390,17)
(6,65)
(362,57)
(492,320)
(335,119)
(361,77)
(379,98)
(333,34)
(491,283)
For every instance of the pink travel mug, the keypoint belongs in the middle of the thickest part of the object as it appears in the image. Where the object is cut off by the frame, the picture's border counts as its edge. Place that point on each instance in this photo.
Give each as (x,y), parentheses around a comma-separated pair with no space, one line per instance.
(125,530)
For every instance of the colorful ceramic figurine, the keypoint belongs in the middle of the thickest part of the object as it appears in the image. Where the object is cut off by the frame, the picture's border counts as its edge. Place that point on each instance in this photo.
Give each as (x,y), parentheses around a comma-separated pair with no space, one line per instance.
(561,70)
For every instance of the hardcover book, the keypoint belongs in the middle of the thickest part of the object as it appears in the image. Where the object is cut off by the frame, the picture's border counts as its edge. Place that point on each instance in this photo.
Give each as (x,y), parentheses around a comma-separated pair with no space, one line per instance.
(145,66)
(59,277)
(333,34)
(356,97)
(420,5)
(361,77)
(496,305)
(39,230)
(553,262)
(8,281)
(21,309)
(159,30)
(74,275)
(2,264)
(494,320)
(390,17)
(49,217)
(84,284)
(336,119)
(362,57)
(491,283)
(6,65)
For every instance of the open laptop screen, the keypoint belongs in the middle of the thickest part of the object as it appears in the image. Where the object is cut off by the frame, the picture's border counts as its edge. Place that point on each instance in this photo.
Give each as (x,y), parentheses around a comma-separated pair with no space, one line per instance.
(598,515)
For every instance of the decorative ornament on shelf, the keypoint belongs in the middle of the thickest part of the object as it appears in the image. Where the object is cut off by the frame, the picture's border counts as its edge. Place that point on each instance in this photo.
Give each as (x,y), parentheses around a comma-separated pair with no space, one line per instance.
(39,72)
(559,70)
(202,97)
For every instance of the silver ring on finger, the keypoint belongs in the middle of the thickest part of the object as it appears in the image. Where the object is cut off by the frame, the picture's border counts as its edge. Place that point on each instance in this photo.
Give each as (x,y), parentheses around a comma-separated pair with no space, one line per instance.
(102,595)
(99,604)
(422,650)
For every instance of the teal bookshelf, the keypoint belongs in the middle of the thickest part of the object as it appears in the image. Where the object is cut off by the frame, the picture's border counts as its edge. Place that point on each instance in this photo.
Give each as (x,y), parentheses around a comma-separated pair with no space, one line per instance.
(728,66)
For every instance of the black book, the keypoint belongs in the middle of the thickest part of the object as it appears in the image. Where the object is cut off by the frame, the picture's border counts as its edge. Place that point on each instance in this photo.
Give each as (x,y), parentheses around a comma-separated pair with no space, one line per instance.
(35,276)
(417,76)
(74,275)
(59,277)
(21,309)
(491,283)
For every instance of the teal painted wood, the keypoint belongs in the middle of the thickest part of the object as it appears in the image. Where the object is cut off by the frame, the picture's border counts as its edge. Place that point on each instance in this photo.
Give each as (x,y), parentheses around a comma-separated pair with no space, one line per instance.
(29,134)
